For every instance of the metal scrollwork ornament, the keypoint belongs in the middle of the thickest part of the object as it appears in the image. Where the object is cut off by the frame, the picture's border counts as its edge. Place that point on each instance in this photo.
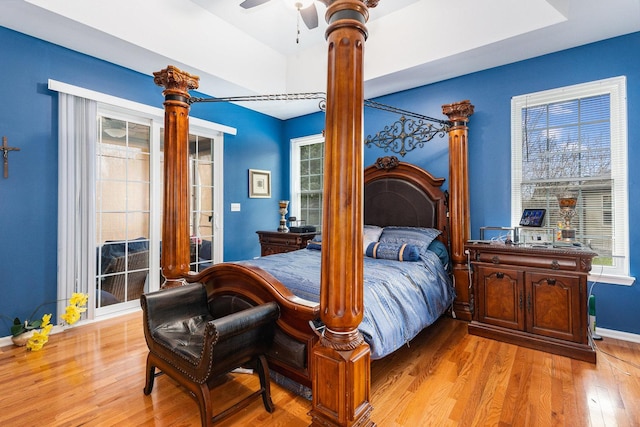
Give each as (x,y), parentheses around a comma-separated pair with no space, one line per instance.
(405,135)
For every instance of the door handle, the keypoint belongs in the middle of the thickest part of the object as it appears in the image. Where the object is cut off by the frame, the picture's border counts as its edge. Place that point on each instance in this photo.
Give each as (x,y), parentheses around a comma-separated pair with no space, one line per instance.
(520,300)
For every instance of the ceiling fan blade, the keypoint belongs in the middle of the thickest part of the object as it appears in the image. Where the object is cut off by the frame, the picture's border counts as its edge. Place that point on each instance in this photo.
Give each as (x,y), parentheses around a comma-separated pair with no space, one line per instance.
(310,16)
(248,4)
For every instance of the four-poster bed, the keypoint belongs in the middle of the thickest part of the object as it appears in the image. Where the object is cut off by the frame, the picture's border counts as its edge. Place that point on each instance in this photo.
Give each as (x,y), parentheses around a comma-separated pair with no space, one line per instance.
(335,363)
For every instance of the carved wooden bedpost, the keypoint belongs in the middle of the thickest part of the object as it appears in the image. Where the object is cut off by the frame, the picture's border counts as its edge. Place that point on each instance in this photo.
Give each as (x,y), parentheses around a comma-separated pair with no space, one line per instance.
(341,359)
(175,220)
(458,114)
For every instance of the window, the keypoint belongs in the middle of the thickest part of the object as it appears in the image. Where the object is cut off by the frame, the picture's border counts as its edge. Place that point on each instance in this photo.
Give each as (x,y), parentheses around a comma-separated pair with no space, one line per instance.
(573,140)
(307,165)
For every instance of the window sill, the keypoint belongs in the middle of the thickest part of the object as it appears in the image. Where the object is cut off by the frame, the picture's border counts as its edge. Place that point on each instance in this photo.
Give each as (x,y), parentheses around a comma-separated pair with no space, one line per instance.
(611,279)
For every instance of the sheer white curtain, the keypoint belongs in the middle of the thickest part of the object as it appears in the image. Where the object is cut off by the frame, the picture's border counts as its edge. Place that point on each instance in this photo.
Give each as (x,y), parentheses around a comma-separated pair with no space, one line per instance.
(77,133)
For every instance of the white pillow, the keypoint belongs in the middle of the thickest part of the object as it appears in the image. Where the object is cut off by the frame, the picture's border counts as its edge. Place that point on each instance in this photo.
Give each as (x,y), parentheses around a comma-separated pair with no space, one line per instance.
(371,235)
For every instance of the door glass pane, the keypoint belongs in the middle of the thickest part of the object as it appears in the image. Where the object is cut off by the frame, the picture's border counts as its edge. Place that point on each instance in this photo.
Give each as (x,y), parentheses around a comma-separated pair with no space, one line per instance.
(122,210)
(201,168)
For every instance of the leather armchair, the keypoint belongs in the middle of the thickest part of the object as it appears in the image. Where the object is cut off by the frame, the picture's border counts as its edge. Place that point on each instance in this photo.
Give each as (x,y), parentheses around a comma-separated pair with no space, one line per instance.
(194,341)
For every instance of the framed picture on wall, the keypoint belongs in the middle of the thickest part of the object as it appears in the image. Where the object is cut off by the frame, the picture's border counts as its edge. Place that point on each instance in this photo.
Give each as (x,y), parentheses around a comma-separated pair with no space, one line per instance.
(259,184)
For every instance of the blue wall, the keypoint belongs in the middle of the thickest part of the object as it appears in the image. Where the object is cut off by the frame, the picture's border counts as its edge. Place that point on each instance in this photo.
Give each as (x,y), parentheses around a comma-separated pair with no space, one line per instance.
(490,140)
(28,116)
(28,199)
(490,92)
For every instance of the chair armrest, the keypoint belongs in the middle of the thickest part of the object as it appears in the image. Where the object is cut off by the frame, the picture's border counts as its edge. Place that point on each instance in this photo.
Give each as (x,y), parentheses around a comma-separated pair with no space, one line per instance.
(245,320)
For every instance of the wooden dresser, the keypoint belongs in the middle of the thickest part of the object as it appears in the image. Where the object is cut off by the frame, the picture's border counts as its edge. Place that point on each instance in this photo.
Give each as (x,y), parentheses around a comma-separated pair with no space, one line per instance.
(275,242)
(535,297)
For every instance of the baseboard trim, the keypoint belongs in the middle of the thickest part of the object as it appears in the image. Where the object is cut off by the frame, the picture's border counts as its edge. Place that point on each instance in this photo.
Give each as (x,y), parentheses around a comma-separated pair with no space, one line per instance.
(5,341)
(619,335)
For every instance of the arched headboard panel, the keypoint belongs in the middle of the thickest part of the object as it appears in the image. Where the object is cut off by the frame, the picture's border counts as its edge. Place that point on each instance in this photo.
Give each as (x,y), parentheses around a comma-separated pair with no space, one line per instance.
(398,193)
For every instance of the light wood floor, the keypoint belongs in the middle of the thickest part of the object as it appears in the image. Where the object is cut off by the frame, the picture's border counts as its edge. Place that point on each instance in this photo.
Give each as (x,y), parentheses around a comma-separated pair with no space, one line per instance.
(93,375)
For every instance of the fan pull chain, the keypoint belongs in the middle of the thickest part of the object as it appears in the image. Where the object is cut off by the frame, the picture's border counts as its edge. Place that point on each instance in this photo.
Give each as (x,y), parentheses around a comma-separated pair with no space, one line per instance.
(298,24)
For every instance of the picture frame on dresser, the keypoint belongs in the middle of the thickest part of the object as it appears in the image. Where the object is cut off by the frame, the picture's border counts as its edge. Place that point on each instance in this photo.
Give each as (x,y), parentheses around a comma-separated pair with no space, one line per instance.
(259,184)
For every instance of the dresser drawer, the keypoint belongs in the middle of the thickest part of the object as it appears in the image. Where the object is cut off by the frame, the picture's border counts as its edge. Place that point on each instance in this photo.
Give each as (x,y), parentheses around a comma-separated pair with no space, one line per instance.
(275,242)
(522,260)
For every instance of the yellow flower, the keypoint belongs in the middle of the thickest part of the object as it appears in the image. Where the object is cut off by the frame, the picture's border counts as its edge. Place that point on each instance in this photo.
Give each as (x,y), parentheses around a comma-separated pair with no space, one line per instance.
(75,308)
(42,328)
(71,315)
(46,320)
(47,329)
(78,299)
(39,339)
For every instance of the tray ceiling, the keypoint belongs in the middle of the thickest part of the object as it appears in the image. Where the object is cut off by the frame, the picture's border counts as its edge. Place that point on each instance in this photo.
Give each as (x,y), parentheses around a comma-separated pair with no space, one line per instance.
(238,51)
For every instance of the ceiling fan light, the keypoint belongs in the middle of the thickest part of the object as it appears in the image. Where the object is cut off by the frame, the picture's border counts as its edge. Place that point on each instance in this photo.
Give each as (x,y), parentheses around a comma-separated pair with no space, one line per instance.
(115,133)
(298,4)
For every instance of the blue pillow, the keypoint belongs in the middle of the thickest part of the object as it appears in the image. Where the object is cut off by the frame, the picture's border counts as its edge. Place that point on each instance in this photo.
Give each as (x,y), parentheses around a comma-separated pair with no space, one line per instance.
(112,249)
(139,244)
(398,252)
(417,236)
(440,249)
(315,243)
(205,250)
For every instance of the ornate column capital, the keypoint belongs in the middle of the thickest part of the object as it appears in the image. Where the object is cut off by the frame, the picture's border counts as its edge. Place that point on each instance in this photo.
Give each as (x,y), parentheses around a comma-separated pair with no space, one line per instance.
(458,111)
(176,81)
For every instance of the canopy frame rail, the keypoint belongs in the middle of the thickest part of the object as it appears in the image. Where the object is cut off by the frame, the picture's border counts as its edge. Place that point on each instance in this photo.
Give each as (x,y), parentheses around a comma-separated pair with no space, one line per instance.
(412,130)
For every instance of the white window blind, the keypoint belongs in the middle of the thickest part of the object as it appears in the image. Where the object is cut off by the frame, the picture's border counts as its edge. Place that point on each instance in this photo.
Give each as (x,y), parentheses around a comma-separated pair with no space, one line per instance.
(575,139)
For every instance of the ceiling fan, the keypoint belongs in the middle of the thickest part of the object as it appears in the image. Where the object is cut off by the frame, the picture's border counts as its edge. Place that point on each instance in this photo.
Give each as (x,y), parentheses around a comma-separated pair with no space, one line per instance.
(306,8)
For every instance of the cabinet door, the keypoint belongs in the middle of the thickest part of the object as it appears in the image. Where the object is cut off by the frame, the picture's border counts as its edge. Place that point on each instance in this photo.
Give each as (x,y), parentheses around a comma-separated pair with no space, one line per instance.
(501,296)
(553,306)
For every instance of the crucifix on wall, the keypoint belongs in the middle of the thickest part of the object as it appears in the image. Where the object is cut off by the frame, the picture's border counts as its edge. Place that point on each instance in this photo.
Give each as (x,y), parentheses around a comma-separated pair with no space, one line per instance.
(5,154)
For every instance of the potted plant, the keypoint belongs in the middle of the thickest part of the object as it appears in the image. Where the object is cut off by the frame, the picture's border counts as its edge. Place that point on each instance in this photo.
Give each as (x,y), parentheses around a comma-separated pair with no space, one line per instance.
(34,333)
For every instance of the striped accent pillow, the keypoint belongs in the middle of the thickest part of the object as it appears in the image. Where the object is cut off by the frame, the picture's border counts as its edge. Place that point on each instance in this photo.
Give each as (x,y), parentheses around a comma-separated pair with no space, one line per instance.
(401,252)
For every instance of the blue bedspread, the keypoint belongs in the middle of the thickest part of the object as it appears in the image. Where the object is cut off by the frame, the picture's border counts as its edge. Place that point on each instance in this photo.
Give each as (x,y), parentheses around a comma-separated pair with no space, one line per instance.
(400,298)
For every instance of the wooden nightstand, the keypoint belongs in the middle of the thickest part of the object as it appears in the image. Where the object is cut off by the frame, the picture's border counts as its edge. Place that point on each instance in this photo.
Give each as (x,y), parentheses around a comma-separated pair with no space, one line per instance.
(535,297)
(275,242)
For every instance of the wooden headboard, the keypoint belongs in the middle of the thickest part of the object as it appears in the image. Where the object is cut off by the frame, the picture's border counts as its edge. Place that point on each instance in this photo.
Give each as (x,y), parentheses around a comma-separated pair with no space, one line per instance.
(398,193)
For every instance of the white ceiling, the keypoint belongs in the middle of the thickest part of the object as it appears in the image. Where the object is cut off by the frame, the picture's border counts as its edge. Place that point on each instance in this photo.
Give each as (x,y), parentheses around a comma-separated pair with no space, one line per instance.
(238,51)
